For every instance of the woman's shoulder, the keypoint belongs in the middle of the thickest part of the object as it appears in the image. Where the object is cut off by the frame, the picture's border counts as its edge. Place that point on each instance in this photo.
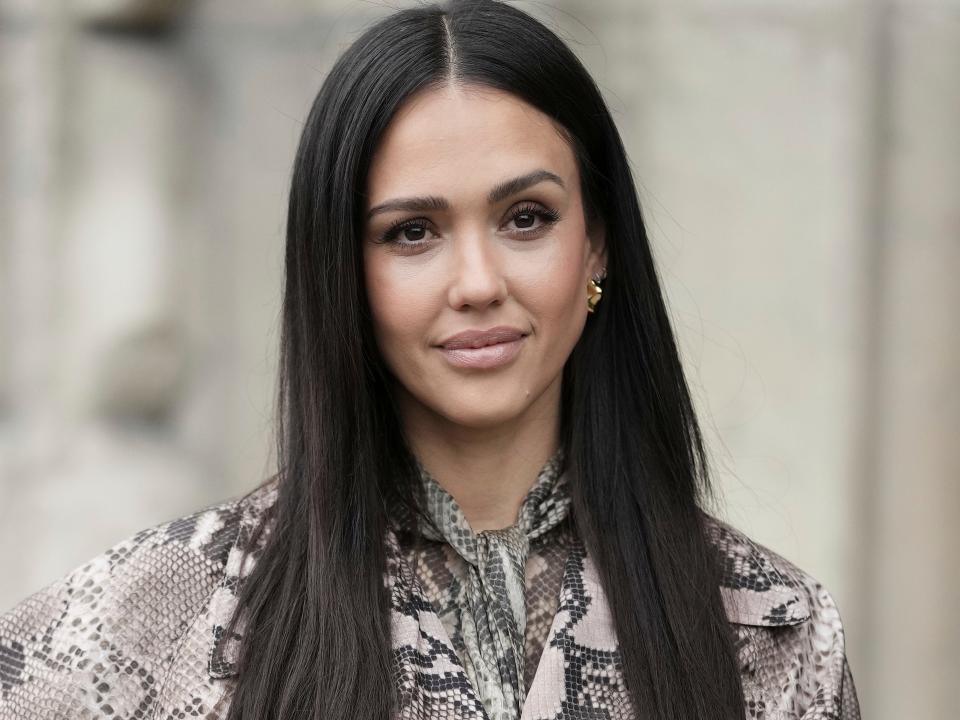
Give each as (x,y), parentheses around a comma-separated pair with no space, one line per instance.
(123,611)
(759,586)
(764,588)
(786,621)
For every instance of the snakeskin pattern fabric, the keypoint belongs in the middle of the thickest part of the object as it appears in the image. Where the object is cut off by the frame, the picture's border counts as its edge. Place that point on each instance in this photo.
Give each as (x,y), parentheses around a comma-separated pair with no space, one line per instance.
(137,632)
(483,606)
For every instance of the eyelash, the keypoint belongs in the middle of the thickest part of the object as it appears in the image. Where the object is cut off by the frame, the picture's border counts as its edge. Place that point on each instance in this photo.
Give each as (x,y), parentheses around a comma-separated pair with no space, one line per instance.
(546,214)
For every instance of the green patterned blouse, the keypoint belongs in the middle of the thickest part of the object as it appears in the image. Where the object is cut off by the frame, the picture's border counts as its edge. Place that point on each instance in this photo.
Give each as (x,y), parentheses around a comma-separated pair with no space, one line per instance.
(484,584)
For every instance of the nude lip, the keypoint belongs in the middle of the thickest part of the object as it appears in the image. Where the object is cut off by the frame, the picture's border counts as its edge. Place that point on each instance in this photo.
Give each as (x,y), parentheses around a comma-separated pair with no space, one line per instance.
(483,349)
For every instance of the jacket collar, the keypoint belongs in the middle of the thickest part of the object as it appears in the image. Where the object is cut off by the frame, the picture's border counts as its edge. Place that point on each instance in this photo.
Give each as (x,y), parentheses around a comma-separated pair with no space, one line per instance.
(758,587)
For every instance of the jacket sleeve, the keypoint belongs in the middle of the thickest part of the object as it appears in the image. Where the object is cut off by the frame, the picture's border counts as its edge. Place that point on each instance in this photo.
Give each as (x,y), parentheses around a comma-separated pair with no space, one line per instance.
(99,641)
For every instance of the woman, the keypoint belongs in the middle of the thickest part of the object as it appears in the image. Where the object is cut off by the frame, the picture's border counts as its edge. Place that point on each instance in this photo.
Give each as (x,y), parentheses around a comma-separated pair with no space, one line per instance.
(491,488)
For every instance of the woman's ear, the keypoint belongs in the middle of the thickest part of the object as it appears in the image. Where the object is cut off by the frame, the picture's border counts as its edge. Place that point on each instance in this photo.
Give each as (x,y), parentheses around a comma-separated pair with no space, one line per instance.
(597,237)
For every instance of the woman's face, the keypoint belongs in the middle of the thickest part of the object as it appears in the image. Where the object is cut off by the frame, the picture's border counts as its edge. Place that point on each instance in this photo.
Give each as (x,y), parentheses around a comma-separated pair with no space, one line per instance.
(475,222)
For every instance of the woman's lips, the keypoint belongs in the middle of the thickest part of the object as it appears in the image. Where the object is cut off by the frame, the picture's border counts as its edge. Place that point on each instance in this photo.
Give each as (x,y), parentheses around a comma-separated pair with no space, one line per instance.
(486,357)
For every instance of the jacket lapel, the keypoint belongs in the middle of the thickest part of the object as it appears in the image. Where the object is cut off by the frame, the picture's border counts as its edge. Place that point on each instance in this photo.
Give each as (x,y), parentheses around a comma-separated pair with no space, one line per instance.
(579,674)
(431,680)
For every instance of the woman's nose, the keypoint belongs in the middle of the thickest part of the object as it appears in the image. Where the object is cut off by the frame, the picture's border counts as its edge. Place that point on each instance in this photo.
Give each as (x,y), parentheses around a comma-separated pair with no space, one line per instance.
(477,274)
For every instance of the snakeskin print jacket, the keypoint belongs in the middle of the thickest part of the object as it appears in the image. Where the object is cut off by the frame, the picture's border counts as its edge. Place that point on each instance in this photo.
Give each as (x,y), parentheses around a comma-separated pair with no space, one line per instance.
(138,632)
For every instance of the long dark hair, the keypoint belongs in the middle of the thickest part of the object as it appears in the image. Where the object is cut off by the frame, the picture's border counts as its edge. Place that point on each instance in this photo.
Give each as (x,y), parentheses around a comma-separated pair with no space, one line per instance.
(317,636)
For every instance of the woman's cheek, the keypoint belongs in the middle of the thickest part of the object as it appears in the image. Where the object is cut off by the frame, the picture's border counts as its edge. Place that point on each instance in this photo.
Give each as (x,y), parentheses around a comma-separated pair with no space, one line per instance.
(402,311)
(550,288)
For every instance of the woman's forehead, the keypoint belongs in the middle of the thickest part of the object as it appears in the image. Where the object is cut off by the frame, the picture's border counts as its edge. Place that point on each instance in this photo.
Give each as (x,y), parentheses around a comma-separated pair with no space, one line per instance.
(456,135)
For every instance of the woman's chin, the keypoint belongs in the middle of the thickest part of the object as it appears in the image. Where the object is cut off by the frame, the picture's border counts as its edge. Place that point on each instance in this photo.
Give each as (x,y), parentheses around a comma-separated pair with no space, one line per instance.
(480,407)
(481,413)
(475,403)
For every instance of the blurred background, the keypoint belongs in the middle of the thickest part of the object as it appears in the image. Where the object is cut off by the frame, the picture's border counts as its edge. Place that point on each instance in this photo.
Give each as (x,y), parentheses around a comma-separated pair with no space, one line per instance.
(799,165)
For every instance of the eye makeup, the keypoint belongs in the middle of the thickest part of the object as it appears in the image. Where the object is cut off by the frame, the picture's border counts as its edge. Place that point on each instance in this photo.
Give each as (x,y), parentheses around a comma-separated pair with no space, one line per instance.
(548,216)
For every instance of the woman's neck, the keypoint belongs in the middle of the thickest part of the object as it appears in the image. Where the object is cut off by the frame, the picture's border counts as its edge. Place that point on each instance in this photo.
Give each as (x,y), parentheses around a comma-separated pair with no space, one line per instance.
(488,470)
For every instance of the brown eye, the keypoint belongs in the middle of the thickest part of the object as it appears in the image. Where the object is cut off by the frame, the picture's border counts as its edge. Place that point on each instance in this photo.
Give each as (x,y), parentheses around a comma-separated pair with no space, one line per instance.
(398,232)
(415,230)
(525,218)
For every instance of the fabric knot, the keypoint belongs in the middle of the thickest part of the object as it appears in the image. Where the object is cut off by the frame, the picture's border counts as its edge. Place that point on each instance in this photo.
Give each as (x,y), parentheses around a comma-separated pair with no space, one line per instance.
(492,602)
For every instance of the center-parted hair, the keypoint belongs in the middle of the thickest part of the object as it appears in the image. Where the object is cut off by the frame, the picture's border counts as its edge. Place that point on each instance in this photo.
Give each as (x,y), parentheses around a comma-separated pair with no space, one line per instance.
(317,639)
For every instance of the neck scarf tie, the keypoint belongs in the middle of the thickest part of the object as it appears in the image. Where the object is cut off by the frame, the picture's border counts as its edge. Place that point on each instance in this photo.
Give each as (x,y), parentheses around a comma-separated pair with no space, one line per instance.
(492,601)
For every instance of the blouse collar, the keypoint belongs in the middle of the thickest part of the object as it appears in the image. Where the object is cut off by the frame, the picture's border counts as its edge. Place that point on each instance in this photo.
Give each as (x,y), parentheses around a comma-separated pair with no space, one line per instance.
(545,505)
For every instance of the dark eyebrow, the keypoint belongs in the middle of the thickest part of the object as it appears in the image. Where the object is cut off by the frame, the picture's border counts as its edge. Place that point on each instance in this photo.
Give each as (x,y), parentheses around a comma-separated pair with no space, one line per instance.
(501,191)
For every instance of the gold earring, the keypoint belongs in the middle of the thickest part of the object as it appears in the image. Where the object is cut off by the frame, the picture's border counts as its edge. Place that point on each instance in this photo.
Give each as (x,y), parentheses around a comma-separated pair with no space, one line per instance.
(594,291)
